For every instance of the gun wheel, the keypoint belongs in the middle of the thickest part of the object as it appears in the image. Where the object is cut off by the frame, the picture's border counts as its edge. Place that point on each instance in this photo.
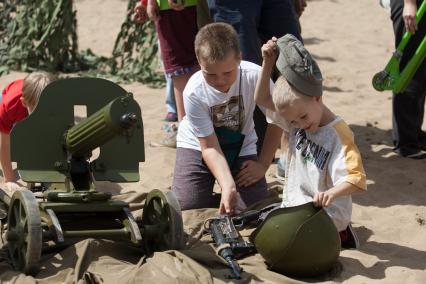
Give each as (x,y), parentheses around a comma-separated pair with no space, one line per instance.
(162,222)
(24,232)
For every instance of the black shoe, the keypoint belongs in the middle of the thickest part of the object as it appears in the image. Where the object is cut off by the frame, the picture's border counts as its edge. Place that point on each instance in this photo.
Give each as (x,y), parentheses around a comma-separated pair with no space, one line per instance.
(411,153)
(349,239)
(420,155)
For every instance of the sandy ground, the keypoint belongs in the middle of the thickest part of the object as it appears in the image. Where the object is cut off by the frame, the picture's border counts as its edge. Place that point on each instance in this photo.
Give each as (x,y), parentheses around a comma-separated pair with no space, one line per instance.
(351,41)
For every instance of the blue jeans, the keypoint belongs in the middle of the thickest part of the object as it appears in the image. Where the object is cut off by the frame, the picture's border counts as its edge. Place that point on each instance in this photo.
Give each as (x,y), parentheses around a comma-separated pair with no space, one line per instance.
(256,21)
(170,96)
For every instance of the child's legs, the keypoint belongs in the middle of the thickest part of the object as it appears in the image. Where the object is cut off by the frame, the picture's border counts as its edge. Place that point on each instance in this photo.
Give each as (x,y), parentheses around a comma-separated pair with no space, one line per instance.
(170,96)
(176,33)
(179,83)
(192,181)
(255,192)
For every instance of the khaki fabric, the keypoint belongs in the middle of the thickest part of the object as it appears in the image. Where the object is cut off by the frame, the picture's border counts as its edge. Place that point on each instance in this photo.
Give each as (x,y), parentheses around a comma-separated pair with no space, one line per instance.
(106,261)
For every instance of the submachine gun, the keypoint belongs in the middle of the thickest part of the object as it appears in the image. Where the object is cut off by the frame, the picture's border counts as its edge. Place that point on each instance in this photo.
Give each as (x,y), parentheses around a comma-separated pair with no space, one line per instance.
(230,245)
(52,150)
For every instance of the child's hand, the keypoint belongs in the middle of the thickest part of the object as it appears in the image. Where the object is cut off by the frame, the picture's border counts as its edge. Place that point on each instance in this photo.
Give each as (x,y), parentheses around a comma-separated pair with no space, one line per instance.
(140,15)
(299,7)
(270,52)
(409,15)
(153,10)
(250,172)
(12,186)
(176,5)
(324,199)
(228,201)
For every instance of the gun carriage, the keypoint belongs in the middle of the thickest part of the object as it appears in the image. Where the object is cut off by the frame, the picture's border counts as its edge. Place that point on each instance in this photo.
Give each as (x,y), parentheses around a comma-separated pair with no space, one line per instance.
(56,156)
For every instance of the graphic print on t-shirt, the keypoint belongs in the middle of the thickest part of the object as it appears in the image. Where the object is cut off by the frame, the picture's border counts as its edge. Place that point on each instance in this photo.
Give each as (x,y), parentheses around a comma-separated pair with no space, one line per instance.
(226,114)
(311,151)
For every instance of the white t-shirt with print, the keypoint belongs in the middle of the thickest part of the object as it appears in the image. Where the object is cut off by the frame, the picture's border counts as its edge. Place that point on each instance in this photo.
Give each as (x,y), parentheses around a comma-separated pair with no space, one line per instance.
(206,108)
(318,161)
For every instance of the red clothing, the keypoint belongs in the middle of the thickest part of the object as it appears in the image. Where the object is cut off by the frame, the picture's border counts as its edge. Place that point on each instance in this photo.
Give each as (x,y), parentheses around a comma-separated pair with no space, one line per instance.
(11,108)
(176,32)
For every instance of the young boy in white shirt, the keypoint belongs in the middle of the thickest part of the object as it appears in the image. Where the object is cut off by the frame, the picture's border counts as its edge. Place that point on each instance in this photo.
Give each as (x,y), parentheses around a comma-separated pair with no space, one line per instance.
(216,139)
(324,165)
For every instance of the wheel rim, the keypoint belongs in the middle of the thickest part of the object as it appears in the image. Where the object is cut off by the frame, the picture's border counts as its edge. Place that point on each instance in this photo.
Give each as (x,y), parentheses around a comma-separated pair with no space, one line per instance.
(162,212)
(24,232)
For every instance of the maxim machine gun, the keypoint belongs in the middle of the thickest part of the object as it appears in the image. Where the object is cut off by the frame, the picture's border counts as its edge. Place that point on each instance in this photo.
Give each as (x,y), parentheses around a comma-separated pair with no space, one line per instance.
(55,153)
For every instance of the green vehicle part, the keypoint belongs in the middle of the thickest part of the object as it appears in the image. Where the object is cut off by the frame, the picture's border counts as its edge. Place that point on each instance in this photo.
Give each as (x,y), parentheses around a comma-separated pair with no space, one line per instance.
(392,78)
(298,241)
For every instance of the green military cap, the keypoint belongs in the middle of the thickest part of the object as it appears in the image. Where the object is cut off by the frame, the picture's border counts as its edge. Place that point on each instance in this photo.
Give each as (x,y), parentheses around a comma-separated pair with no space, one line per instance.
(296,64)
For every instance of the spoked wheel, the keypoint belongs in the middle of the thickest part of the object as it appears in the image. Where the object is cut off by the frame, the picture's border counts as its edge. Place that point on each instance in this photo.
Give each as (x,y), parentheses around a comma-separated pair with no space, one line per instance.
(162,222)
(24,232)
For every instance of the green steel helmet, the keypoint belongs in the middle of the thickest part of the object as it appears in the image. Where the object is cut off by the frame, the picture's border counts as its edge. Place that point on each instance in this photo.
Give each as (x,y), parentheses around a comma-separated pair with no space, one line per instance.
(298,241)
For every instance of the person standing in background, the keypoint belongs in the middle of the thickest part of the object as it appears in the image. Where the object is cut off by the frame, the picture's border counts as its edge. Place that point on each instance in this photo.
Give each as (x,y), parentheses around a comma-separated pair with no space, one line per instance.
(408,107)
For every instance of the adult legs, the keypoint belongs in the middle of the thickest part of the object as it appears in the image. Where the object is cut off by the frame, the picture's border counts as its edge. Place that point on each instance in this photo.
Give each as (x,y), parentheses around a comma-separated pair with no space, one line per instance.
(408,107)
(408,110)
(243,15)
(278,18)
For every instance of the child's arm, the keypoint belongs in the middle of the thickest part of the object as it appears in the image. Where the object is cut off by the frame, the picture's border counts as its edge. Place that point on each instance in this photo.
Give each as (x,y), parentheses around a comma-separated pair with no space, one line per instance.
(252,171)
(6,163)
(262,94)
(153,10)
(324,199)
(216,162)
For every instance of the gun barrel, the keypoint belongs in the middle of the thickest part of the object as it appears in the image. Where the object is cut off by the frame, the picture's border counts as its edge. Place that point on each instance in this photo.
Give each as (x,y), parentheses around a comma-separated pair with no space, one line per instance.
(108,122)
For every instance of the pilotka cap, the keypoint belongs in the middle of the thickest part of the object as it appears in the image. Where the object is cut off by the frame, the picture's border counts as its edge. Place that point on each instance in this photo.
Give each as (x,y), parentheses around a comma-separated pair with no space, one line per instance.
(296,64)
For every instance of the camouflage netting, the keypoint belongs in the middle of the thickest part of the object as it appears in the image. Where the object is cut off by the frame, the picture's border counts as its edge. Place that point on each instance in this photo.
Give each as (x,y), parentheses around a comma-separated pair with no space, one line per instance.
(41,35)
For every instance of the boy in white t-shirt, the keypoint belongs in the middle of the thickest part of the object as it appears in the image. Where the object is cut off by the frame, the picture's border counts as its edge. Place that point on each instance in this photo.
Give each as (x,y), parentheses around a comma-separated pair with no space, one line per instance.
(323,163)
(216,139)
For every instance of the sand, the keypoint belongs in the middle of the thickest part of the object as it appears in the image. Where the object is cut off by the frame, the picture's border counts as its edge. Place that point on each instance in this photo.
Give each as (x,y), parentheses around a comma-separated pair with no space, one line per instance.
(351,40)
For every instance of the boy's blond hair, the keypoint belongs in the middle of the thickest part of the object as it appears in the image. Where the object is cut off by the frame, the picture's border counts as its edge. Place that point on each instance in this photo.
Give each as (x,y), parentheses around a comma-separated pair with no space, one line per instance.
(284,93)
(34,84)
(215,42)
